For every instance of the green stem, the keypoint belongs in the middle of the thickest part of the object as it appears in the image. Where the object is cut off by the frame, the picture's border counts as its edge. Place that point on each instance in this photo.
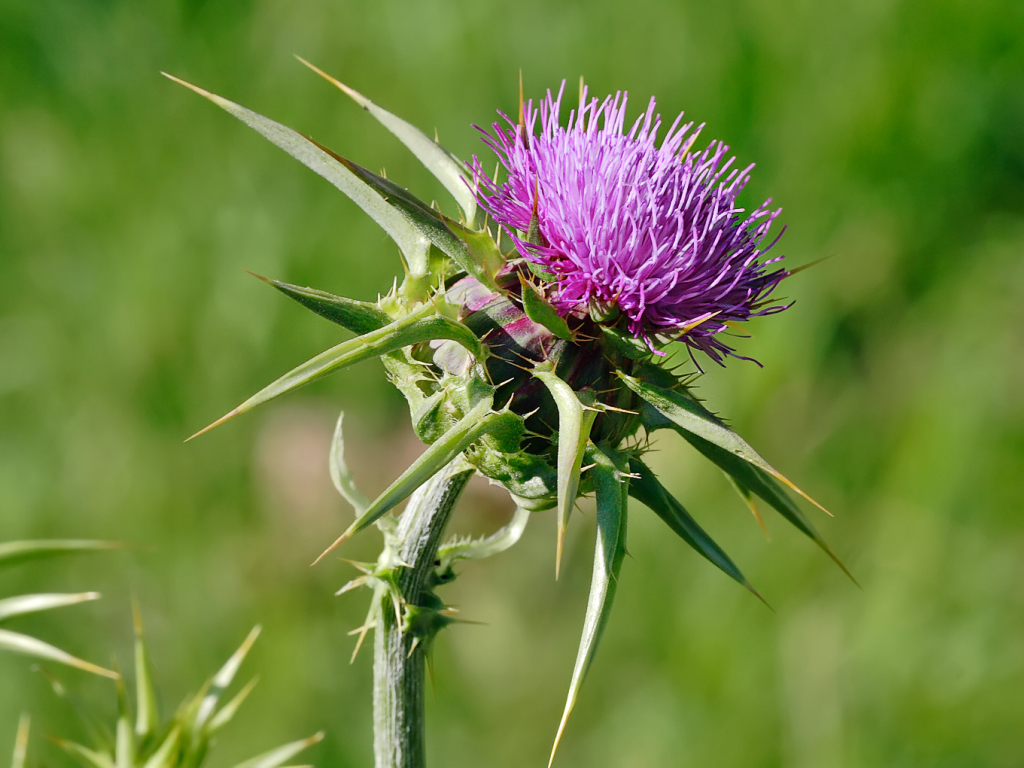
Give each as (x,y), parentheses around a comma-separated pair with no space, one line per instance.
(398,664)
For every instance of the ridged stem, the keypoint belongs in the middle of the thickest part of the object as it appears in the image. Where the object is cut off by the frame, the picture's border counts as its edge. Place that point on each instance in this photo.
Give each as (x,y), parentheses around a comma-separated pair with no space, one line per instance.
(398,664)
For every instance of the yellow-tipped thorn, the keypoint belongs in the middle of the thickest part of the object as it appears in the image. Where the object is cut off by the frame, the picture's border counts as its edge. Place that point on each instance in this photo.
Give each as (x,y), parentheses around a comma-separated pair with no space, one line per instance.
(522,109)
(698,321)
(362,632)
(337,543)
(412,647)
(218,100)
(429,658)
(358,566)
(837,561)
(102,671)
(352,92)
(786,481)
(814,263)
(757,594)
(258,276)
(354,584)
(558,736)
(760,520)
(226,417)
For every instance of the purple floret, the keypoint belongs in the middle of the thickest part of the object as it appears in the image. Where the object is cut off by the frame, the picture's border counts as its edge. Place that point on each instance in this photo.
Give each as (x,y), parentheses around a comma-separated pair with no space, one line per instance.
(652,230)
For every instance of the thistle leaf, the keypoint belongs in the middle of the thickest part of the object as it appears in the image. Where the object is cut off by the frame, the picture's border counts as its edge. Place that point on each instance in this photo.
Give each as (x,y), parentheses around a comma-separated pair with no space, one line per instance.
(609,552)
(541,312)
(478,549)
(357,316)
(648,490)
(222,680)
(760,482)
(422,325)
(30,646)
(445,166)
(410,241)
(692,417)
(166,754)
(428,222)
(90,758)
(17,552)
(147,718)
(278,757)
(624,343)
(25,604)
(574,425)
(340,474)
(21,742)
(470,428)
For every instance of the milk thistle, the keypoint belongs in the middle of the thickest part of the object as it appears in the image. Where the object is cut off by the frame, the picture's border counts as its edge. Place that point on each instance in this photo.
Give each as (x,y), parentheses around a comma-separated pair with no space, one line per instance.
(529,337)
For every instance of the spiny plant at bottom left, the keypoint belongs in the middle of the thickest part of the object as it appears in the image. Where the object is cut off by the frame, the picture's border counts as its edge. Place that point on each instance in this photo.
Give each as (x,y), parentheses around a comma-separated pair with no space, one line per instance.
(139,738)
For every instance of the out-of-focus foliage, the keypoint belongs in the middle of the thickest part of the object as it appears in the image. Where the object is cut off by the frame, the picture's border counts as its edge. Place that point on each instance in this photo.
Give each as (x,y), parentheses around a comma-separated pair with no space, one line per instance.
(15,552)
(889,132)
(142,738)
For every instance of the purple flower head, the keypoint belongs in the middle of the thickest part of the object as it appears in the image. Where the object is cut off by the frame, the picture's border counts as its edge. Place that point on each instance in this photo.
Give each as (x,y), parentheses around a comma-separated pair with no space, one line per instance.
(627,228)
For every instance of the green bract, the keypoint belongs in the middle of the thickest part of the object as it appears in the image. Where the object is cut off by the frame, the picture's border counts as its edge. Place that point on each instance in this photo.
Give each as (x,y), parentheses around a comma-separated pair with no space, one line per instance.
(546,405)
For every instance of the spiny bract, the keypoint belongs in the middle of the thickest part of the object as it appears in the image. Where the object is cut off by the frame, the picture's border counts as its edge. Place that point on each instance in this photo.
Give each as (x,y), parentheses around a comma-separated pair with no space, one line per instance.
(539,363)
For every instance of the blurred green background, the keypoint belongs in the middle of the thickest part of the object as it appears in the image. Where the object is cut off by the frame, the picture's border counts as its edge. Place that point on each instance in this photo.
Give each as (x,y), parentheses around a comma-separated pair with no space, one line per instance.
(892,133)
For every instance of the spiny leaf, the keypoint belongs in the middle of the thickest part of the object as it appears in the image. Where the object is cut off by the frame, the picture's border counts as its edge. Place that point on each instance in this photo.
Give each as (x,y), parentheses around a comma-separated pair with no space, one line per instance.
(355,316)
(477,422)
(574,425)
(761,483)
(429,222)
(445,166)
(30,646)
(340,474)
(409,239)
(90,758)
(689,415)
(481,246)
(166,754)
(229,710)
(541,312)
(24,604)
(124,749)
(624,343)
(21,742)
(15,552)
(278,757)
(147,718)
(497,542)
(610,549)
(421,325)
(645,487)
(222,680)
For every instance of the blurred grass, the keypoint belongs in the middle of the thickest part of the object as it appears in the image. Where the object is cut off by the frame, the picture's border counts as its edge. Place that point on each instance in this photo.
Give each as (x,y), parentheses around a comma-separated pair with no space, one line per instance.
(889,131)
